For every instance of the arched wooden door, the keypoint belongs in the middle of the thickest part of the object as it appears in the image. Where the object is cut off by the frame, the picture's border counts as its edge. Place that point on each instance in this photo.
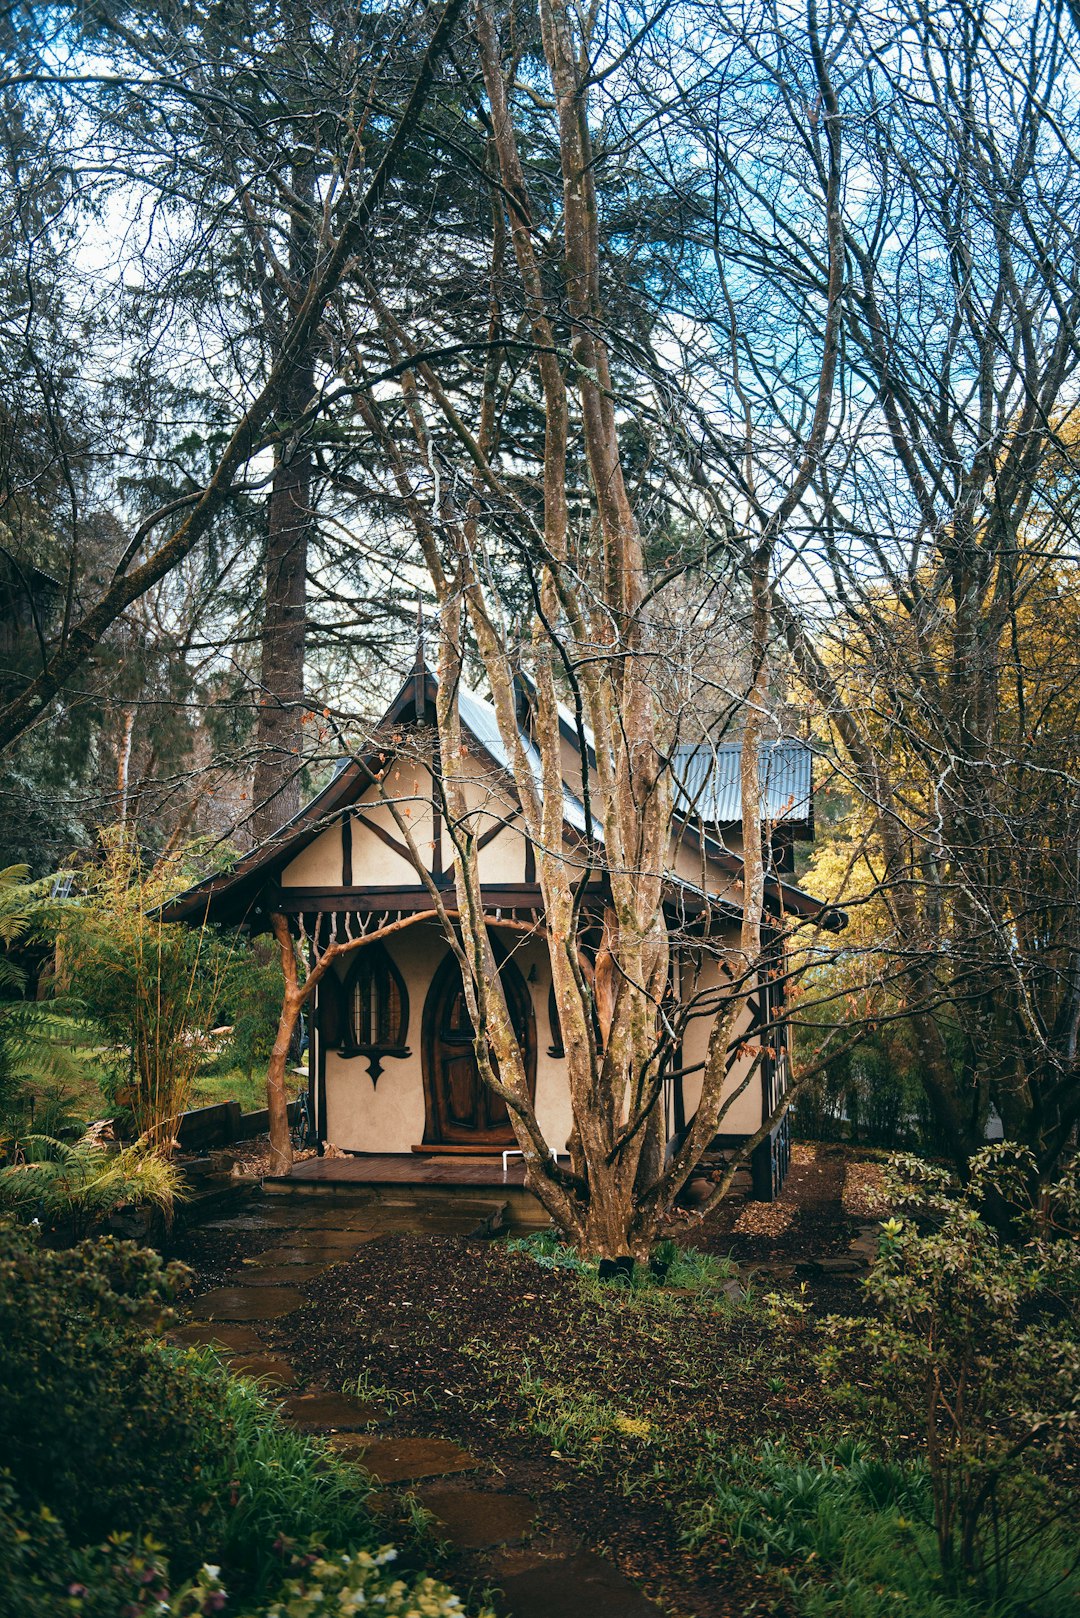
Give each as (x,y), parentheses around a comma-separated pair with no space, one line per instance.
(461,1109)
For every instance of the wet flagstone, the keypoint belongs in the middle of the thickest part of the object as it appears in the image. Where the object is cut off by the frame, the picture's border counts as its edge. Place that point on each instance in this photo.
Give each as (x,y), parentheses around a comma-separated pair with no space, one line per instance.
(265,1368)
(331,1412)
(318,1253)
(232,1339)
(474,1521)
(579,1586)
(247,1303)
(404,1460)
(276,1275)
(330,1240)
(241,1223)
(438,1227)
(302,1256)
(291,1215)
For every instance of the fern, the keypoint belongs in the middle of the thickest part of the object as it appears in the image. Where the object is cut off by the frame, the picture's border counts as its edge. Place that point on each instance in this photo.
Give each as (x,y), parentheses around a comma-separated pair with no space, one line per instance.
(83,1184)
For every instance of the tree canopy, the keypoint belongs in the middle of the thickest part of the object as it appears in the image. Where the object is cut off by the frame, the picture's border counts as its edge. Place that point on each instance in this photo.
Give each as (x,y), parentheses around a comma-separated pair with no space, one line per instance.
(710,367)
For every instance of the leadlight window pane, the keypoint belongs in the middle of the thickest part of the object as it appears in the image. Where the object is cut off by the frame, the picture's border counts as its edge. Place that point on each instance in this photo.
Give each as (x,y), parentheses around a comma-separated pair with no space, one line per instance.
(376,1002)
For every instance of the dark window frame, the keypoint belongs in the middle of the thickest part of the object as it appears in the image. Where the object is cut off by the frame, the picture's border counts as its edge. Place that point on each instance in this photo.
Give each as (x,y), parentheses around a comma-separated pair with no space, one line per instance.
(375,973)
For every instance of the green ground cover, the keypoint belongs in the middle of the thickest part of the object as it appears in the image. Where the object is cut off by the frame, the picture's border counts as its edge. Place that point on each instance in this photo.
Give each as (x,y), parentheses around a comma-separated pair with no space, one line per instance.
(140,1477)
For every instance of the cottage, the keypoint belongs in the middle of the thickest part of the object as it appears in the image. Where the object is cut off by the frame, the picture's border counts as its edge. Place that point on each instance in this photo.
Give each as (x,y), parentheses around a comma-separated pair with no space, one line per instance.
(391,1063)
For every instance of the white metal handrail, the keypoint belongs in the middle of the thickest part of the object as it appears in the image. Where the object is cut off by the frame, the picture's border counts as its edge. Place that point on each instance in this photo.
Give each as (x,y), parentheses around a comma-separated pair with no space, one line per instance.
(517,1152)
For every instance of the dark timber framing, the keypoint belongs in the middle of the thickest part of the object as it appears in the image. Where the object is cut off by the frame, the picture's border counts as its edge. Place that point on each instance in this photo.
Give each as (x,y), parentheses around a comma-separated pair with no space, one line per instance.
(251,892)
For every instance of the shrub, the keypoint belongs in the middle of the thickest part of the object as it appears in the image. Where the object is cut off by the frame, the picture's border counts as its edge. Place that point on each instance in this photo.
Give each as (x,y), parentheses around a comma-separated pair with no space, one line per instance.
(31,1049)
(132,1462)
(114,1432)
(350,1583)
(79,1186)
(43,1576)
(97,1423)
(255,990)
(975,1346)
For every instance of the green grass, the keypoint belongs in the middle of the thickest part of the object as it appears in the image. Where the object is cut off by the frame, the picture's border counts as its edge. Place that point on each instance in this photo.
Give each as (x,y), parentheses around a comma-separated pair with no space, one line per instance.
(687,1270)
(578,1424)
(232,1085)
(851,1536)
(283,1487)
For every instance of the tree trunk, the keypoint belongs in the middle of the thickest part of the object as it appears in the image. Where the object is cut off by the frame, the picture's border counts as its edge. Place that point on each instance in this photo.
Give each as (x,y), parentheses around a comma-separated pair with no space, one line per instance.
(279,722)
(277,1094)
(279,729)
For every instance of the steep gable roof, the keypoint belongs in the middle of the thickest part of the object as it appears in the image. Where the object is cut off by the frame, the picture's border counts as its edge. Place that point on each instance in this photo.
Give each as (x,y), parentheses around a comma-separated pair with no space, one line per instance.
(228,896)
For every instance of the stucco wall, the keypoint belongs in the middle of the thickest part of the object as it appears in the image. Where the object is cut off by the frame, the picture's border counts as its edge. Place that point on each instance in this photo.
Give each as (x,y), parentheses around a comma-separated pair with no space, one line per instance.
(373,861)
(744,1115)
(319,864)
(376,864)
(389,1116)
(687,861)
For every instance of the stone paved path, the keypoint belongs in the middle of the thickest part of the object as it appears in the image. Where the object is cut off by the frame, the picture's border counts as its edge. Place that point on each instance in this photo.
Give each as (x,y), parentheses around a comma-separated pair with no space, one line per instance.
(578,1586)
(324,1412)
(539,1579)
(477,1520)
(404,1460)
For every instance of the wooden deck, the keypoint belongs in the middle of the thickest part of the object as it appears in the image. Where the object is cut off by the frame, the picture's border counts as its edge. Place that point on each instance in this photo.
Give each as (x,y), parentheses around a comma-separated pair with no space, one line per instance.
(454,1183)
(377,1169)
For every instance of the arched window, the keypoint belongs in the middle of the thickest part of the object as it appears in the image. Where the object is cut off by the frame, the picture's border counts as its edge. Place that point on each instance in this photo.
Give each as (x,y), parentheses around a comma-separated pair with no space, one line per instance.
(376,1007)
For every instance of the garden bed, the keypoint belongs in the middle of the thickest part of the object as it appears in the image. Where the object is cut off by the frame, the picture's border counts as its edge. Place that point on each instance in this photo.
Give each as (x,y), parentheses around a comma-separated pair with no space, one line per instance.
(684,1433)
(609,1409)
(598,1403)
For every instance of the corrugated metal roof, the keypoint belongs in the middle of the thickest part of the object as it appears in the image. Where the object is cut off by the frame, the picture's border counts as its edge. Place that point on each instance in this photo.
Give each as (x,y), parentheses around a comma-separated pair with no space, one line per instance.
(708,782)
(707,778)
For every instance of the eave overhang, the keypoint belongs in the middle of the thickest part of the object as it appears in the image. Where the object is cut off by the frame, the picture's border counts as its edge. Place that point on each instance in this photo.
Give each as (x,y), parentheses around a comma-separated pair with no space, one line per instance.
(248,892)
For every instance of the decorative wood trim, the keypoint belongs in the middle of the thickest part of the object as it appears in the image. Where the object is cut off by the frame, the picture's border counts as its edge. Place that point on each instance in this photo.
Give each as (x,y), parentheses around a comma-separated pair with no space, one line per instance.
(385,837)
(530,861)
(313,1045)
(366,961)
(496,896)
(346,849)
(238,896)
(374,1055)
(320,1099)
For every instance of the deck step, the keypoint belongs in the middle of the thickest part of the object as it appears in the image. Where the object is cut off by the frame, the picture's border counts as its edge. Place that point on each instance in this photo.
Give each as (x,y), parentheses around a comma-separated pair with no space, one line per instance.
(464,1186)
